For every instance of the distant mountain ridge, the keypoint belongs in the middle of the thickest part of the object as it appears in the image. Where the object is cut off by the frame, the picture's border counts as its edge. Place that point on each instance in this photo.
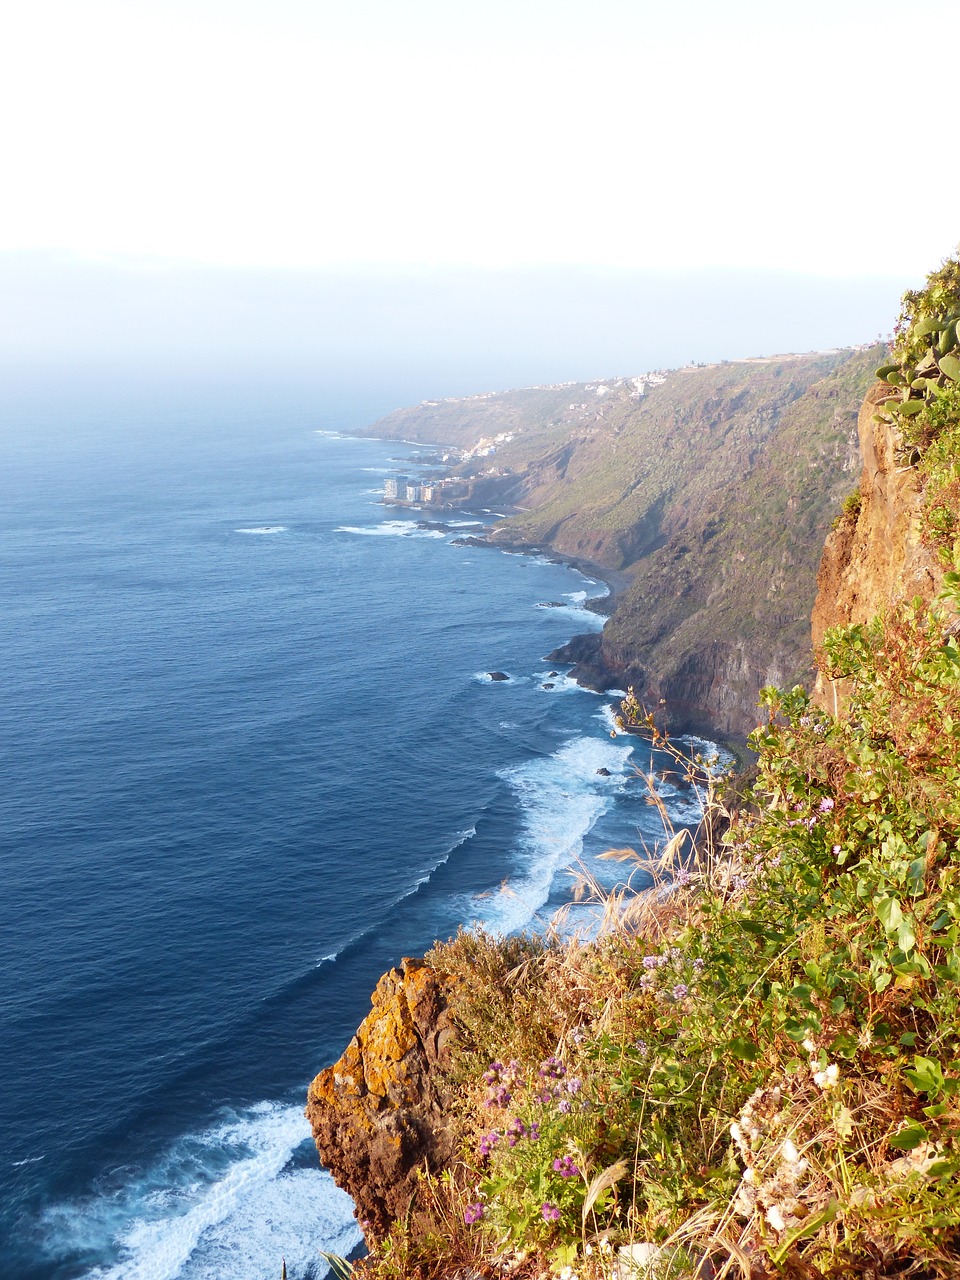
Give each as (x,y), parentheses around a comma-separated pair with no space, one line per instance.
(711,488)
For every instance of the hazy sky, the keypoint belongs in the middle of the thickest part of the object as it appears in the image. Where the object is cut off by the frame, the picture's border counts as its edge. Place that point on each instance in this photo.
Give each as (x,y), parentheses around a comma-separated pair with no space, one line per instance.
(532,188)
(494,132)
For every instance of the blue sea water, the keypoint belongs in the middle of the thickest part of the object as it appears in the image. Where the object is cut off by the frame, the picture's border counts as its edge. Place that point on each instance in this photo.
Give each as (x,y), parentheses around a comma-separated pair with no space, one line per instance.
(251,757)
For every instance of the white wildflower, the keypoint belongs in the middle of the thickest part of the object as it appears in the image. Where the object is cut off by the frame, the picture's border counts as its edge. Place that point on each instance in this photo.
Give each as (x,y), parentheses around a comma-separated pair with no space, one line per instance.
(828,1078)
(775,1218)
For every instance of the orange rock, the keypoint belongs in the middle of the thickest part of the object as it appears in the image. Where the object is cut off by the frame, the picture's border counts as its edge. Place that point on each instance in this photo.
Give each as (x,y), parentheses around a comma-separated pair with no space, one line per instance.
(877,561)
(379,1114)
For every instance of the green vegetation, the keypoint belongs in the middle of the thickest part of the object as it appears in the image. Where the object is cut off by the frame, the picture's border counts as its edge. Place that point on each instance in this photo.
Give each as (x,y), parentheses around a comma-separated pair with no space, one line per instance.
(924,402)
(761,1066)
(754,1068)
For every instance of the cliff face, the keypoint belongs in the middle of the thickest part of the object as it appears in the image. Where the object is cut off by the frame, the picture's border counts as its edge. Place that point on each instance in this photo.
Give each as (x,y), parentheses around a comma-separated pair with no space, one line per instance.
(710,489)
(874,559)
(380,1113)
(716,632)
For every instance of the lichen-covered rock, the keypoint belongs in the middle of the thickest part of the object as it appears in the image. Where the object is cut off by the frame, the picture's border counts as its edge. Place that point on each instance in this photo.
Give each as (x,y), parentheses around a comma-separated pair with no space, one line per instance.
(380,1113)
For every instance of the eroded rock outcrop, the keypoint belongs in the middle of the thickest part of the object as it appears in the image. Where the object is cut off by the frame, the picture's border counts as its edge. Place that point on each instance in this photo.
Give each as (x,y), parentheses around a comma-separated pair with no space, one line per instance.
(876,559)
(381,1112)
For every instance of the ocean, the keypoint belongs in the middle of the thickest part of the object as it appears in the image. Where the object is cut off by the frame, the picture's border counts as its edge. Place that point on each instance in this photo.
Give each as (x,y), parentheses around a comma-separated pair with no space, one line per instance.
(252,757)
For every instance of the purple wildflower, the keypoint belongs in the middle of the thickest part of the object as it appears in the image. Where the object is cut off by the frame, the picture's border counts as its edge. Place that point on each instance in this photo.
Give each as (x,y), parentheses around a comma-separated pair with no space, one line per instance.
(500,1096)
(652,962)
(698,964)
(836,850)
(647,980)
(565,1106)
(551,1212)
(681,991)
(566,1167)
(473,1213)
(533,1133)
(574,1084)
(516,1130)
(826,804)
(488,1142)
(552,1069)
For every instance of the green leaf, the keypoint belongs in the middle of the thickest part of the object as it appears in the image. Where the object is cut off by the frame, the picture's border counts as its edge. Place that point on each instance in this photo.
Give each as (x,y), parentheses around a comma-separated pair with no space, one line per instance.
(808,1228)
(889,913)
(937,1110)
(910,1137)
(950,365)
(565,1255)
(929,325)
(926,1076)
(906,936)
(915,874)
(910,407)
(745,1050)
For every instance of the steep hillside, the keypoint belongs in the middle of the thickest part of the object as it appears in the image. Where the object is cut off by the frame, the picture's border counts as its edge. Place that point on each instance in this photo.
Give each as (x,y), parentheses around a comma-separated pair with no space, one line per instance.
(711,487)
(754,1071)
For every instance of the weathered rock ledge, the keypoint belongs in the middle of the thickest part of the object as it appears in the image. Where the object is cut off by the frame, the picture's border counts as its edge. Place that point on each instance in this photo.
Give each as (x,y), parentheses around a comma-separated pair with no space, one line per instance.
(382,1112)
(876,560)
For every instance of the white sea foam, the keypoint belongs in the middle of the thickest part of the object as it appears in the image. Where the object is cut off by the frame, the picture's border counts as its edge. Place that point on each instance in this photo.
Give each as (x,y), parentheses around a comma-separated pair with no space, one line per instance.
(264,528)
(392,529)
(485,677)
(219,1203)
(707,749)
(561,684)
(561,797)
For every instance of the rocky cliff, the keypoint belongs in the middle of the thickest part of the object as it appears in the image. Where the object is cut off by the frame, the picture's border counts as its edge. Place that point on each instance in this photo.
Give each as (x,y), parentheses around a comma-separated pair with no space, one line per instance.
(708,490)
(719,633)
(875,556)
(684,1095)
(381,1113)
